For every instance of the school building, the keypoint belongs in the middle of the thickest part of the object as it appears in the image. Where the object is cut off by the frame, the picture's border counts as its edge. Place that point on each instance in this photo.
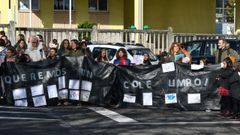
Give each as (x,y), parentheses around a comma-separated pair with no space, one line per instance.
(184,16)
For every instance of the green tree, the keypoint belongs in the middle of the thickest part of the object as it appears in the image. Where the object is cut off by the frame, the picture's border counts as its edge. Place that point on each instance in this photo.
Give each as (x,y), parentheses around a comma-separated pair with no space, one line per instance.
(229,10)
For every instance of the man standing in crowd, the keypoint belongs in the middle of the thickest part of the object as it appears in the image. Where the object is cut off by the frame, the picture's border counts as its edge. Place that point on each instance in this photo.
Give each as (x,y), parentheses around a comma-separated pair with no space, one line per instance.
(35,53)
(224,51)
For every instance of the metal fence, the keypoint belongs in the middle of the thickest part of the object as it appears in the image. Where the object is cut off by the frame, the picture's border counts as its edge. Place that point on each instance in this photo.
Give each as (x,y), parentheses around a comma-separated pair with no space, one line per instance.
(156,40)
(9,30)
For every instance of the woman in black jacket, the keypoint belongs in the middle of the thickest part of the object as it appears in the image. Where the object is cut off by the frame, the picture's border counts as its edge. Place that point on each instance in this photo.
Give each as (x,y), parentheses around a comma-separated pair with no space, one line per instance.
(235,92)
(223,81)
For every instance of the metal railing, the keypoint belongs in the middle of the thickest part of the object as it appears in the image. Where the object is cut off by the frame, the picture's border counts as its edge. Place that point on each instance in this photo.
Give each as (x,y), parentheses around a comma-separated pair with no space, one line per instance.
(59,34)
(156,40)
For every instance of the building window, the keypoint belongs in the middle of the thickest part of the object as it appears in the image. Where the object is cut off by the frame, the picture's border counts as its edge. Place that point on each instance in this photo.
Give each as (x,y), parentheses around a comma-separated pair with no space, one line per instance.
(25,5)
(225,11)
(98,5)
(63,4)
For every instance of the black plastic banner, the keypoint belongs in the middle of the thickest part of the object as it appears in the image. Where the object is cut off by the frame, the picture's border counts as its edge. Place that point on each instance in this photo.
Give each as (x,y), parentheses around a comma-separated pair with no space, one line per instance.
(76,79)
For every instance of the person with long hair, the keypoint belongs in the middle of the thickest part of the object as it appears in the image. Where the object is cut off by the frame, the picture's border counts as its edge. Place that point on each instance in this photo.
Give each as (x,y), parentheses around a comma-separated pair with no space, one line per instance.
(75,49)
(178,54)
(64,48)
(223,82)
(121,57)
(102,56)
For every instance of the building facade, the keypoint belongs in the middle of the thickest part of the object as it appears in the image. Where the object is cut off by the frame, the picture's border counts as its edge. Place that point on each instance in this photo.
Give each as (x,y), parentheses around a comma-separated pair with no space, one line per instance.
(184,16)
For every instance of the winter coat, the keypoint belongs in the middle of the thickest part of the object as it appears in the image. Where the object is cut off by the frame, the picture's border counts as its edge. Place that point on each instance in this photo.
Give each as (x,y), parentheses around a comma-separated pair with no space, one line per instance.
(224,77)
(225,53)
(235,85)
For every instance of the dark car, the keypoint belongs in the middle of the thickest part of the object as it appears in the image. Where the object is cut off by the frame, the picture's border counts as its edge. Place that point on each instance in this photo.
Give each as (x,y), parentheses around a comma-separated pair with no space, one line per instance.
(206,48)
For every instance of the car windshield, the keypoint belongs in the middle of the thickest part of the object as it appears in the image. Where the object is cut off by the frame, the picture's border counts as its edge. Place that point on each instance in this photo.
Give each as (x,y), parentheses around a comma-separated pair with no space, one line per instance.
(109,51)
(141,51)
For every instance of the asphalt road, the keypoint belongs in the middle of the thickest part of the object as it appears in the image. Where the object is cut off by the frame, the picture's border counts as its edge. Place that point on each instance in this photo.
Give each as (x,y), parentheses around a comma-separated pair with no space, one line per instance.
(81,120)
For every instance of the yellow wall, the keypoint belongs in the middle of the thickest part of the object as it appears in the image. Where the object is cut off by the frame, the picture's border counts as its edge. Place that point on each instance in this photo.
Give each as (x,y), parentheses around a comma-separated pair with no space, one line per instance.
(81,11)
(116,13)
(46,13)
(196,16)
(128,13)
(4,10)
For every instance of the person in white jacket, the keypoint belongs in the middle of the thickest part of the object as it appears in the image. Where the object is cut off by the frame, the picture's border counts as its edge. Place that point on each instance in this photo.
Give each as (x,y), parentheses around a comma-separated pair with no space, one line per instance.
(35,52)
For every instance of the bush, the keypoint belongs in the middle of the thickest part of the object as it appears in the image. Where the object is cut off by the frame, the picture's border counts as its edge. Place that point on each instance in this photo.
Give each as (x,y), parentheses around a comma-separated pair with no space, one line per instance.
(85,35)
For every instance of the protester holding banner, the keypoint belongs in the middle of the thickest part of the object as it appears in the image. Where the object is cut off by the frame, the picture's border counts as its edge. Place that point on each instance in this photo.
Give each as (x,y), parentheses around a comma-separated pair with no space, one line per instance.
(35,52)
(64,48)
(19,37)
(121,57)
(203,61)
(177,54)
(3,51)
(224,51)
(86,51)
(102,56)
(224,86)
(10,55)
(146,60)
(235,92)
(52,55)
(75,49)
(2,33)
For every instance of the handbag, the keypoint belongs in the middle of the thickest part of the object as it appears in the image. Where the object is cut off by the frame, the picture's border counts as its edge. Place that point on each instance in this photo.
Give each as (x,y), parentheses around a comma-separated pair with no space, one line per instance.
(223,91)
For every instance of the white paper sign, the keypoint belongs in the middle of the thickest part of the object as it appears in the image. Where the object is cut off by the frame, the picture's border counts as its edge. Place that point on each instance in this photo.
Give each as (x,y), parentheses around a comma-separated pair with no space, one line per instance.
(86,85)
(137,59)
(147,98)
(168,67)
(74,95)
(129,98)
(52,91)
(170,98)
(37,90)
(74,84)
(23,103)
(194,98)
(85,96)
(196,67)
(39,101)
(63,94)
(61,82)
(19,93)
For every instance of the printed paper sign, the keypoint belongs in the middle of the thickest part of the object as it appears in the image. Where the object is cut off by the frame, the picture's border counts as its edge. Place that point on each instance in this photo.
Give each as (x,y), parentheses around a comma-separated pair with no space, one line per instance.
(74,84)
(168,67)
(52,91)
(147,98)
(63,94)
(61,82)
(86,85)
(137,59)
(196,67)
(39,101)
(23,103)
(194,98)
(19,93)
(37,90)
(74,95)
(85,96)
(129,98)
(170,98)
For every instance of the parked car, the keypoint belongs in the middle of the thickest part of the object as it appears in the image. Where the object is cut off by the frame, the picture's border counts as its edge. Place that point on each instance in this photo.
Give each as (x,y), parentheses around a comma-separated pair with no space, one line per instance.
(111,49)
(206,48)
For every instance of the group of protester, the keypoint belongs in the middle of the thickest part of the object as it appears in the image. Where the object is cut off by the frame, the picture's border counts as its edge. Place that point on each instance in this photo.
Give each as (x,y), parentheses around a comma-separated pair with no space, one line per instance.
(34,49)
(228,80)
